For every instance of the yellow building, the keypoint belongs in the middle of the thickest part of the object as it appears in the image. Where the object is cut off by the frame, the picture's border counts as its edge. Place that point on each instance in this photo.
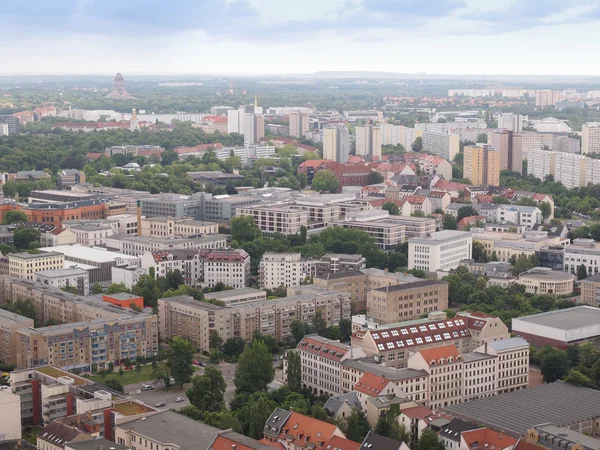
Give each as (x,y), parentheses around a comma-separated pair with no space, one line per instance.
(482,165)
(25,265)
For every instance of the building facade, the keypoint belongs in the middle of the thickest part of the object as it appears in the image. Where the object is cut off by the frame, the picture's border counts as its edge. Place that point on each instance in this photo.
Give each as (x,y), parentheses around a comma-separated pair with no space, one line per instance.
(442,250)
(481,165)
(336,143)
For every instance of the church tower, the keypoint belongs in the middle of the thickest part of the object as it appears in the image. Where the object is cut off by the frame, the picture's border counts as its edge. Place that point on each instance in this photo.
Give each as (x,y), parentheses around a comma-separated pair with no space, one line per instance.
(133,123)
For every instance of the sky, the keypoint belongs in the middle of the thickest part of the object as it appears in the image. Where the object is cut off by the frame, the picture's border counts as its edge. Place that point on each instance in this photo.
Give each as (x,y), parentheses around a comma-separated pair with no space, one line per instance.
(548,37)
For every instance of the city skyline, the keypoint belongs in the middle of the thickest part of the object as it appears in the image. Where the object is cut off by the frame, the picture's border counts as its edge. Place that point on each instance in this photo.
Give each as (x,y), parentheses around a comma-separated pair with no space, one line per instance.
(237,36)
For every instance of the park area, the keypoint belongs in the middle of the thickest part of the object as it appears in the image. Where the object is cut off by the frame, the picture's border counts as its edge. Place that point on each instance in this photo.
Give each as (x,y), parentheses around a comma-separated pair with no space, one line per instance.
(129,376)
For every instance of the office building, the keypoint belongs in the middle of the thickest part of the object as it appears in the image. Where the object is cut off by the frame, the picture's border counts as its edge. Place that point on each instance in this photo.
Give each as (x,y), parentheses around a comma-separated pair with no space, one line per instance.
(590,138)
(442,250)
(335,262)
(91,234)
(220,110)
(368,140)
(73,277)
(223,207)
(510,156)
(584,252)
(336,143)
(511,122)
(254,128)
(481,165)
(279,218)
(547,97)
(299,124)
(174,227)
(590,290)
(241,295)
(283,269)
(441,144)
(9,324)
(12,125)
(69,177)
(173,205)
(25,265)
(545,281)
(406,301)
(138,245)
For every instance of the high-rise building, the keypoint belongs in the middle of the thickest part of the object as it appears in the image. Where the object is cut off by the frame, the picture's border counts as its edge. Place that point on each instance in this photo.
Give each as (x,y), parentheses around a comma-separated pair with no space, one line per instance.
(482,165)
(11,125)
(511,157)
(590,137)
(547,97)
(368,140)
(510,122)
(441,144)
(442,250)
(254,128)
(336,143)
(299,123)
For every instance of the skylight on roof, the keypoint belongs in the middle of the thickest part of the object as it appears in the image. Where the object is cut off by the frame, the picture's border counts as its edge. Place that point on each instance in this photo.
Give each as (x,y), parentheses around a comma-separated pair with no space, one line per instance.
(413,329)
(385,334)
(394,332)
(375,335)
(437,337)
(409,342)
(423,328)
(441,325)
(419,340)
(404,331)
(380,347)
(432,326)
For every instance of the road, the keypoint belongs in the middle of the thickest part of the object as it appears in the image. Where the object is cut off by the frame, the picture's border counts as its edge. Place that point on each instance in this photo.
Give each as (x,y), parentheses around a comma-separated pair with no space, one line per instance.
(159,394)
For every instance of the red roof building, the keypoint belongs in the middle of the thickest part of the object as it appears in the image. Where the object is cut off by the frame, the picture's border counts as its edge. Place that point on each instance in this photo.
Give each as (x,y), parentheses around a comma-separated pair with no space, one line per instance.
(484,438)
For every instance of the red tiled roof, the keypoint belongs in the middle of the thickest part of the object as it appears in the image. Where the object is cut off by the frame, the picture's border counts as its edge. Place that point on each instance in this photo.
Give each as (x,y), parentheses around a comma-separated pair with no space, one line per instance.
(307,148)
(436,354)
(199,148)
(467,220)
(417,412)
(57,231)
(355,159)
(339,443)
(314,163)
(371,384)
(224,255)
(523,444)
(437,194)
(329,350)
(480,314)
(93,156)
(215,119)
(305,430)
(278,445)
(486,438)
(540,197)
(445,184)
(414,199)
(419,334)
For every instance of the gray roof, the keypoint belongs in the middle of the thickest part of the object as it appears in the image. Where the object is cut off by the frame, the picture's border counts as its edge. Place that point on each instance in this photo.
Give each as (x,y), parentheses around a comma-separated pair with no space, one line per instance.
(516,412)
(374,441)
(172,427)
(565,319)
(96,444)
(392,374)
(334,404)
(17,444)
(276,421)
(592,278)
(412,285)
(566,435)
(475,356)
(507,344)
(455,428)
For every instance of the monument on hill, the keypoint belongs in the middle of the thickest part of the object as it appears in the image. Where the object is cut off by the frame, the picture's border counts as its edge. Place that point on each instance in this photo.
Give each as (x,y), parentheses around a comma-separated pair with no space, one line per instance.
(118,90)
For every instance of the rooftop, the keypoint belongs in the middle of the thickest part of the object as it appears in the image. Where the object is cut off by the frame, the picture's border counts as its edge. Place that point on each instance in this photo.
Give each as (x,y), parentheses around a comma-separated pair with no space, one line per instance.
(97,444)
(8,316)
(94,254)
(55,372)
(233,293)
(455,428)
(442,236)
(410,285)
(565,434)
(25,255)
(488,439)
(565,319)
(558,403)
(508,344)
(71,271)
(131,408)
(374,441)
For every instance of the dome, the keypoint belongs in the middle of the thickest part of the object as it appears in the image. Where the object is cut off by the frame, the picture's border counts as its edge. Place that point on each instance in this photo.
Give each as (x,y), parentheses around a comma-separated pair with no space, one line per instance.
(551,125)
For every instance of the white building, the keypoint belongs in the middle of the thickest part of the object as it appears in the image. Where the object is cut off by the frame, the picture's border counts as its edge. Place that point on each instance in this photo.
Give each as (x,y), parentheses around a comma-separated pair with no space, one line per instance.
(230,267)
(368,140)
(512,365)
(511,122)
(582,252)
(283,269)
(10,414)
(90,234)
(442,250)
(441,144)
(68,277)
(128,275)
(526,216)
(336,143)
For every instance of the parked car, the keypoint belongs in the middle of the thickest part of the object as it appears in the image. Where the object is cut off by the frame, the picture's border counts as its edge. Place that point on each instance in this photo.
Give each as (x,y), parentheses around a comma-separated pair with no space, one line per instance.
(202,364)
(180,399)
(147,387)
(159,404)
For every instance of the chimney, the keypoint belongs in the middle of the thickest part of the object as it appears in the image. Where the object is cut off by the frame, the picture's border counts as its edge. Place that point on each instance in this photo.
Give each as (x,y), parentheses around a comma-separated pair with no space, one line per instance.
(139,217)
(485,347)
(346,401)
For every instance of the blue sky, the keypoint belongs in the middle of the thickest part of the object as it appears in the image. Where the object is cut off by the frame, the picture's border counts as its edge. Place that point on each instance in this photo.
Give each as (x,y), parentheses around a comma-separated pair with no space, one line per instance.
(301,36)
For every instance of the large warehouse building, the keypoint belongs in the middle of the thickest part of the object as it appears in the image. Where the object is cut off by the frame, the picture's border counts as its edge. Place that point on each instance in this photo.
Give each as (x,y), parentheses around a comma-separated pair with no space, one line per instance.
(559,328)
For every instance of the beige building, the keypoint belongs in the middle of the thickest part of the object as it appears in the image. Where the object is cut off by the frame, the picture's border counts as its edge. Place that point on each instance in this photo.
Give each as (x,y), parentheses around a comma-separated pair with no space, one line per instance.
(484,328)
(25,265)
(590,137)
(299,124)
(547,97)
(407,301)
(270,219)
(10,415)
(512,365)
(479,376)
(590,290)
(525,142)
(368,140)
(169,227)
(481,165)
(56,435)
(545,281)
(336,143)
(283,269)
(511,157)
(79,345)
(9,324)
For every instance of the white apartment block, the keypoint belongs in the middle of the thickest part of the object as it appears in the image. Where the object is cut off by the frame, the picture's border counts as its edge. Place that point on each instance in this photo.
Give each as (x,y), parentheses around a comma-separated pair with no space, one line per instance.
(526,216)
(570,169)
(510,122)
(442,250)
(60,278)
(90,234)
(284,219)
(368,140)
(525,142)
(283,269)
(512,364)
(471,92)
(590,137)
(445,127)
(336,143)
(171,227)
(582,251)
(441,144)
(230,267)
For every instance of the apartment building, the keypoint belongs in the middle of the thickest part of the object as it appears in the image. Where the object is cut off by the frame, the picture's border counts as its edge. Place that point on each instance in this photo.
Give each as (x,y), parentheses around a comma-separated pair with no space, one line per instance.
(406,301)
(68,277)
(547,97)
(230,267)
(337,262)
(138,245)
(441,144)
(79,345)
(368,140)
(527,216)
(299,123)
(444,365)
(524,143)
(590,291)
(590,138)
(25,265)
(442,250)
(270,219)
(387,233)
(9,324)
(479,376)
(582,252)
(512,366)
(565,144)
(511,122)
(223,207)
(510,156)
(284,269)
(545,281)
(90,234)
(172,227)
(481,165)
(336,143)
(570,169)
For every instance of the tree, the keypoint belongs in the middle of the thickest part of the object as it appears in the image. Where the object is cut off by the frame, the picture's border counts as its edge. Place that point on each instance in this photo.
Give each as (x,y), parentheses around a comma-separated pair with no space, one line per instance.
(319,323)
(418,213)
(215,341)
(255,413)
(234,346)
(522,264)
(208,391)
(299,330)
(174,279)
(294,371)
(546,209)
(429,440)
(325,181)
(554,366)
(138,367)
(147,288)
(375,178)
(357,425)
(303,232)
(466,211)
(96,288)
(24,237)
(116,288)
(479,254)
(319,413)
(346,327)
(243,229)
(417,146)
(121,371)
(180,360)
(582,272)
(383,427)
(482,138)
(115,384)
(70,289)
(392,208)
(14,217)
(254,371)
(576,377)
(449,222)
(223,420)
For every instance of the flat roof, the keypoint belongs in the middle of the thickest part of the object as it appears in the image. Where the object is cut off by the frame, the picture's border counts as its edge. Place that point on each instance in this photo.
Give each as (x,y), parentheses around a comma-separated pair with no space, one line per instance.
(204,238)
(514,413)
(234,293)
(8,316)
(410,285)
(87,253)
(61,272)
(96,444)
(565,319)
(43,253)
(441,236)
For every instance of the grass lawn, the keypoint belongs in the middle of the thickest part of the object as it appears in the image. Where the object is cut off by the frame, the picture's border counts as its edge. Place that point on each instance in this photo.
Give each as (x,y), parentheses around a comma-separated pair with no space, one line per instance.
(129,377)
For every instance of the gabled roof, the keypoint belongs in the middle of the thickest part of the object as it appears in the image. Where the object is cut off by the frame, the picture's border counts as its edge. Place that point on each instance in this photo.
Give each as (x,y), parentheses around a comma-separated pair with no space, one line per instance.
(454,429)
(433,356)
(58,434)
(417,412)
(508,344)
(373,441)
(334,403)
(484,438)
(228,440)
(302,430)
(314,163)
(371,384)
(339,443)
(322,347)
